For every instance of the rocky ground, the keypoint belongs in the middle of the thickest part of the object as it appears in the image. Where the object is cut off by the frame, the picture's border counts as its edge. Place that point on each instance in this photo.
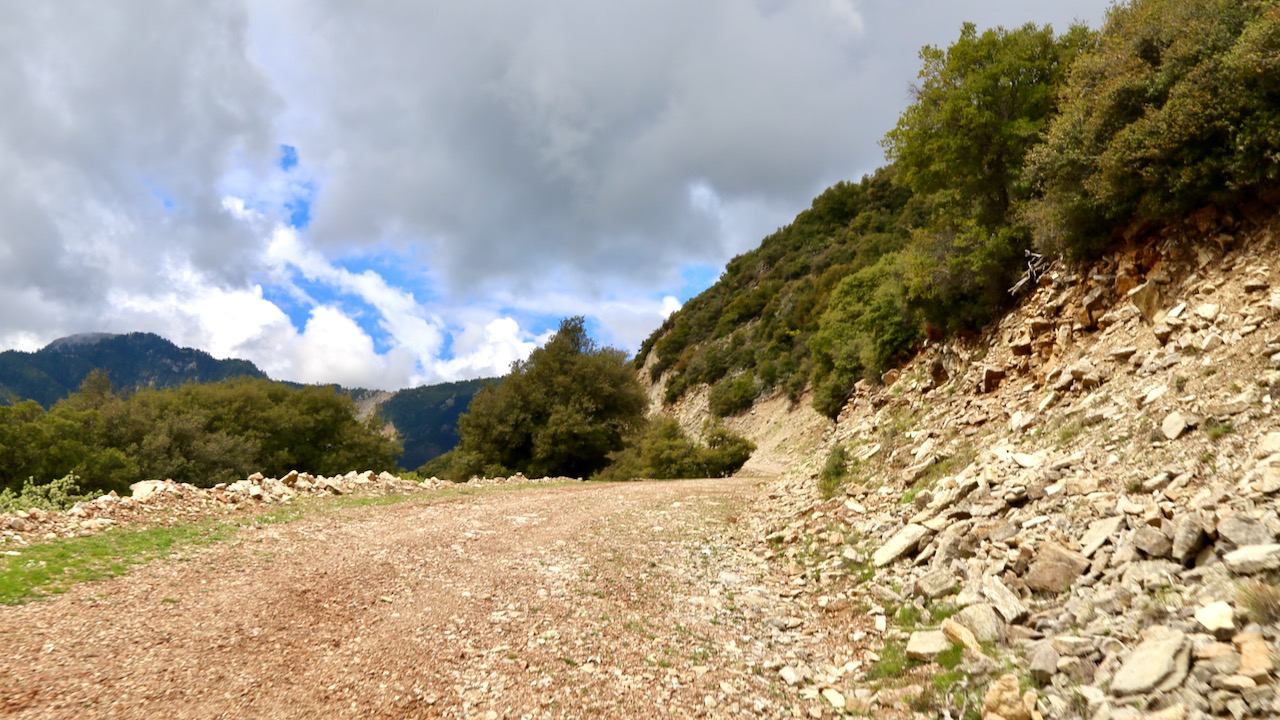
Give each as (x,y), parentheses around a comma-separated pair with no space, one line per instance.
(576,600)
(1085,499)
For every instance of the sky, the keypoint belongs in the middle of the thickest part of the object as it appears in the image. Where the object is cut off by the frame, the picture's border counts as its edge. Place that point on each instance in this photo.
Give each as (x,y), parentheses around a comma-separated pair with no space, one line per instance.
(399,193)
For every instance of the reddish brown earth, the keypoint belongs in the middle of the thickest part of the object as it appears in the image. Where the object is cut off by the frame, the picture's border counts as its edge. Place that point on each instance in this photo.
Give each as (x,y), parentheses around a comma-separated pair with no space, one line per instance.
(592,600)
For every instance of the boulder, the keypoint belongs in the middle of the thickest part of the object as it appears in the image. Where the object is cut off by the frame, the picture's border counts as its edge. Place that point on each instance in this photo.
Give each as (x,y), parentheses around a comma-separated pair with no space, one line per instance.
(1055,569)
(1218,619)
(1003,701)
(1241,530)
(983,621)
(1157,661)
(1253,558)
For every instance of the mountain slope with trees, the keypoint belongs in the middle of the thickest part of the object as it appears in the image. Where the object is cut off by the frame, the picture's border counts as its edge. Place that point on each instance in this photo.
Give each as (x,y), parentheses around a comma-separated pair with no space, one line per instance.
(1017,141)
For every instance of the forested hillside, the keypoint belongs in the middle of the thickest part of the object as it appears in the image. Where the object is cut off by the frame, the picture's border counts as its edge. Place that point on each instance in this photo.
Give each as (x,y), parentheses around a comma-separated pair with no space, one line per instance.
(426,418)
(133,360)
(1018,141)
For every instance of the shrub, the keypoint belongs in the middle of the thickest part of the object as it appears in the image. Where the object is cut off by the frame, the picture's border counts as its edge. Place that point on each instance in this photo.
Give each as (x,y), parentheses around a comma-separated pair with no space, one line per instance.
(834,472)
(732,396)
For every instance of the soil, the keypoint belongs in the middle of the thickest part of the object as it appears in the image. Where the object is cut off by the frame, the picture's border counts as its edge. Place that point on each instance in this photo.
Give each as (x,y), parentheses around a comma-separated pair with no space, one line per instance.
(584,600)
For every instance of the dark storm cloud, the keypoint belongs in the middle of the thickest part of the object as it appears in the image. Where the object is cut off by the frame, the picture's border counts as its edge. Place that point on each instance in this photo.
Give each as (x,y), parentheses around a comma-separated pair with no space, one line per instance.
(520,137)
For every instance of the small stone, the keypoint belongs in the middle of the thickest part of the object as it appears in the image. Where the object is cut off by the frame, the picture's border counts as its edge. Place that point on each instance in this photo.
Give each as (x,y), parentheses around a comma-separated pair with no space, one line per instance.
(1003,700)
(1268,446)
(937,583)
(926,645)
(1146,298)
(1006,603)
(834,697)
(17,524)
(1099,532)
(961,635)
(983,621)
(1233,683)
(1044,662)
(1173,425)
(1218,618)
(1208,311)
(991,378)
(902,543)
(1055,569)
(1025,460)
(1188,537)
(791,676)
(1152,542)
(1255,656)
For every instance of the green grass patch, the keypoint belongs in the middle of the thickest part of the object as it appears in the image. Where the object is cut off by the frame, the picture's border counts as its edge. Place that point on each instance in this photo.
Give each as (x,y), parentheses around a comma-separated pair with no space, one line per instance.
(52,568)
(893,662)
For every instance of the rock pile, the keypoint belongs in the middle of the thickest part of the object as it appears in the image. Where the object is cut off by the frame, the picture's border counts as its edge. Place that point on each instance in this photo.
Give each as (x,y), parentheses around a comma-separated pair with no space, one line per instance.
(168,501)
(1094,493)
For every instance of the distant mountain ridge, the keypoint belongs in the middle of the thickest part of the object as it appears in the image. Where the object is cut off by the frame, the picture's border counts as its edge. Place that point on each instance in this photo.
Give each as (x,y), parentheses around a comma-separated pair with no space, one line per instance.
(425,417)
(132,361)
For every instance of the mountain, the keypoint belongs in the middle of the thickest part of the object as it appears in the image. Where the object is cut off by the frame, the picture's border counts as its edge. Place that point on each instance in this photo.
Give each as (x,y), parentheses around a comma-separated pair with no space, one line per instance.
(425,417)
(132,361)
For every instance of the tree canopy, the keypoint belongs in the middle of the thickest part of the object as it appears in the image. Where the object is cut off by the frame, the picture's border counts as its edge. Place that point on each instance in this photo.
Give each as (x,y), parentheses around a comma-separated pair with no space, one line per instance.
(561,412)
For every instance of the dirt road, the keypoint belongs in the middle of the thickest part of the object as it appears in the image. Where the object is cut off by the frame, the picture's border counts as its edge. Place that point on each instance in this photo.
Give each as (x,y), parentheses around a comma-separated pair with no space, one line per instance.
(629,600)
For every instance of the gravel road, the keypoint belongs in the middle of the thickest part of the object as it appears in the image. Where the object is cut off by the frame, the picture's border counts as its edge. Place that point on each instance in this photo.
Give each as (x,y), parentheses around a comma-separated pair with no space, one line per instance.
(596,600)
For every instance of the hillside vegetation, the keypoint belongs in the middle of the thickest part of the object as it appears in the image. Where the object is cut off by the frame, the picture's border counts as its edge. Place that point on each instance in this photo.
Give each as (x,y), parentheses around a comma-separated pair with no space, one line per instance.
(1017,141)
(199,434)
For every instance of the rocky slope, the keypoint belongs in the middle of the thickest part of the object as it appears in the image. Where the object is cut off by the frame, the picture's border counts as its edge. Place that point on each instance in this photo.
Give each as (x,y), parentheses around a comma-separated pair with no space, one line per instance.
(1086,497)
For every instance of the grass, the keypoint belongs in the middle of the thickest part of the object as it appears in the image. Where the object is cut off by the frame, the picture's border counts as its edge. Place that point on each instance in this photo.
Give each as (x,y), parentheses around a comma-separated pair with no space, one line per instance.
(52,568)
(46,569)
(1217,429)
(1260,600)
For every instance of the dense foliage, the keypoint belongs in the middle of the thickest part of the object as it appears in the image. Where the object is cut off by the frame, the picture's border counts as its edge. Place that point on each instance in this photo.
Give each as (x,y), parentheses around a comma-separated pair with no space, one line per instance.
(1177,106)
(1015,139)
(558,413)
(663,451)
(201,434)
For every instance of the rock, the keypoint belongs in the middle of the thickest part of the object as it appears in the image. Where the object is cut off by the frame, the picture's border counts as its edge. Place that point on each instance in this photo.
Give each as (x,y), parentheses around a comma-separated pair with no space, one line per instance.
(1044,662)
(1188,538)
(1099,532)
(833,696)
(926,645)
(1005,602)
(1055,569)
(983,621)
(1268,446)
(990,378)
(935,584)
(1161,656)
(17,524)
(1208,311)
(960,635)
(1146,298)
(1173,425)
(1218,618)
(1003,701)
(791,676)
(1255,656)
(1024,460)
(1253,558)
(1152,542)
(1241,530)
(141,491)
(904,542)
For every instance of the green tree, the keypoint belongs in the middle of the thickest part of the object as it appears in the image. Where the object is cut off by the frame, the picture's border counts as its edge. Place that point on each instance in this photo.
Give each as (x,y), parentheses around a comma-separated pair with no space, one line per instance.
(662,450)
(981,105)
(561,412)
(1177,106)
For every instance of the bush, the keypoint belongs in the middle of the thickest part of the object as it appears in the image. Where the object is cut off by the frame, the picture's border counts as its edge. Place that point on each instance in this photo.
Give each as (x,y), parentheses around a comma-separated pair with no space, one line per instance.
(663,451)
(59,494)
(1177,106)
(732,396)
(835,471)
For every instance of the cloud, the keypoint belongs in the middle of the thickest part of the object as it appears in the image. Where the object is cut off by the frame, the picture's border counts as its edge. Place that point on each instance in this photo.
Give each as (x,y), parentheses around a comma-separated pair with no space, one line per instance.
(422,189)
